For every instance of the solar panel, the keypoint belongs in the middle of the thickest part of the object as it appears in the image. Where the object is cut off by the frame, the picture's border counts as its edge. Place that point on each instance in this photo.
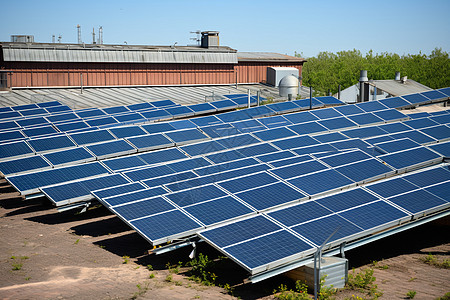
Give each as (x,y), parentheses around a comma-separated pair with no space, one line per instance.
(72,126)
(283,107)
(23,164)
(25,106)
(420,123)
(248,182)
(226,166)
(115,110)
(440,132)
(157,127)
(365,119)
(123,163)
(143,208)
(271,195)
(390,115)
(248,126)
(39,131)
(242,99)
(364,132)
(259,111)
(14,149)
(419,115)
(417,99)
(290,161)
(29,183)
(91,137)
(348,199)
(307,103)
(33,112)
(238,140)
(326,113)
(320,182)
(275,156)
(224,104)
(102,121)
(9,115)
(440,190)
(233,116)
(349,144)
(49,104)
(196,195)
(127,131)
(441,119)
(148,172)
(298,169)
(10,136)
(58,108)
(374,215)
(166,226)
(110,149)
(394,127)
(136,195)
(202,148)
(396,145)
(70,156)
(429,177)
(163,103)
(274,134)
(295,142)
(301,117)
(62,117)
(5,109)
(51,143)
(218,210)
(319,148)
(130,118)
(161,156)
(225,156)
(395,102)
(392,187)
(308,128)
(275,121)
(445,91)
(186,136)
(94,112)
(188,164)
(202,108)
(418,201)
(140,106)
(30,122)
(340,159)
(183,124)
(9,125)
(371,106)
(206,121)
(150,142)
(438,113)
(330,137)
(411,158)
(68,193)
(441,148)
(166,179)
(329,100)
(414,135)
(180,111)
(337,123)
(348,110)
(219,130)
(157,115)
(366,170)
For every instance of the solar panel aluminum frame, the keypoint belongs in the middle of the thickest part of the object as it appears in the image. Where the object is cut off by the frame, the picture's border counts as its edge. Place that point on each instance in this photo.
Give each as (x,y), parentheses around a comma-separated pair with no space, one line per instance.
(20,155)
(373,178)
(151,148)
(83,198)
(419,165)
(114,154)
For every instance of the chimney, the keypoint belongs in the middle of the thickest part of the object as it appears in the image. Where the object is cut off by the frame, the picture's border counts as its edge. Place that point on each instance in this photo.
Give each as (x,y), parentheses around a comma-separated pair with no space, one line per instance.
(397,76)
(363,86)
(404,79)
(210,39)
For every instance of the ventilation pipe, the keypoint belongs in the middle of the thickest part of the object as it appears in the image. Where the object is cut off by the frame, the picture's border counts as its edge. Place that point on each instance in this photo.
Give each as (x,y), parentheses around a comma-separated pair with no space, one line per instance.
(397,76)
(363,86)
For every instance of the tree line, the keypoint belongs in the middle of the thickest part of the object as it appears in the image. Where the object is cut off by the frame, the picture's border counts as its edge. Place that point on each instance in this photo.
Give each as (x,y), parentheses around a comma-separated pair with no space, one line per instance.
(328,70)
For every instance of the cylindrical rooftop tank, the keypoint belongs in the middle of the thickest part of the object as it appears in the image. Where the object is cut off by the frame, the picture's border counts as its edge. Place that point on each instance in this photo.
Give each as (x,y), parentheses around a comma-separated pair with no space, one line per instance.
(288,85)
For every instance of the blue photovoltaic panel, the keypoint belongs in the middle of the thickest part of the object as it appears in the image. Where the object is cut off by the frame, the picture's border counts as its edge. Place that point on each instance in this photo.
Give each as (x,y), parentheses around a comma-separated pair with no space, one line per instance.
(290,161)
(429,177)
(157,127)
(270,195)
(349,144)
(390,115)
(123,163)
(321,182)
(248,126)
(187,135)
(225,156)
(419,115)
(224,104)
(275,156)
(307,128)
(150,141)
(418,201)
(397,145)
(140,106)
(9,115)
(149,172)
(188,164)
(261,251)
(395,102)
(143,208)
(96,112)
(58,108)
(114,147)
(330,137)
(329,100)
(118,190)
(25,106)
(438,113)
(326,113)
(226,166)
(161,156)
(30,181)
(51,143)
(67,156)
(72,126)
(5,109)
(164,225)
(298,169)
(115,110)
(260,111)
(127,131)
(435,95)
(394,127)
(348,199)
(441,148)
(196,195)
(420,123)
(441,119)
(274,134)
(348,110)
(68,192)
(219,130)
(33,112)
(414,135)
(378,139)
(301,117)
(202,148)
(130,117)
(307,103)
(445,91)
(440,132)
(14,149)
(62,117)
(233,116)
(416,99)
(364,132)
(242,99)
(135,195)
(183,124)
(373,215)
(257,149)
(336,160)
(163,103)
(295,142)
(275,121)
(314,149)
(365,118)
(218,210)
(283,107)
(202,108)
(248,182)
(9,125)
(392,187)
(159,114)
(364,170)
(441,190)
(371,106)
(240,231)
(299,213)
(102,121)
(409,158)
(23,164)
(238,140)
(49,104)
(39,131)
(166,179)
(91,137)
(180,111)
(32,121)
(319,230)
(206,121)
(337,123)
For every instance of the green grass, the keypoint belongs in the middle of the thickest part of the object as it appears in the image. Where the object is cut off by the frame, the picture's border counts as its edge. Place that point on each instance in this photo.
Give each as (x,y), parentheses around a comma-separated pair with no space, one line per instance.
(411,294)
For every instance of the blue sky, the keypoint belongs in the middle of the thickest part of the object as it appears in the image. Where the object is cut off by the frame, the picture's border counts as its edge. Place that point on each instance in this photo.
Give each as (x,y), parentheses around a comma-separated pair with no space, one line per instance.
(308,27)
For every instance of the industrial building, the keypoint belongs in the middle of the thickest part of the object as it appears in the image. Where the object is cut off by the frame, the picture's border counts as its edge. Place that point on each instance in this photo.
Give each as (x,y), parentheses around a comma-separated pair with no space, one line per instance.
(56,64)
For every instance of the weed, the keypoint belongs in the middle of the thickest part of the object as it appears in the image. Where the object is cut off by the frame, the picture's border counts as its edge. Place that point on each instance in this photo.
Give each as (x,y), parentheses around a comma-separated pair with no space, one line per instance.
(150,267)
(27,278)
(412,279)
(151,276)
(24,257)
(16,266)
(174,268)
(433,261)
(445,297)
(300,293)
(101,246)
(411,294)
(169,278)
(376,264)
(228,288)
(196,297)
(126,259)
(200,270)
(364,282)
(142,289)
(77,241)
(178,282)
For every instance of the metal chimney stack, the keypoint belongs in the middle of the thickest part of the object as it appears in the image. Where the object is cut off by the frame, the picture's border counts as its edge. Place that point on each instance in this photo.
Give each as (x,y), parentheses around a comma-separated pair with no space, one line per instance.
(79,34)
(363,86)
(100,35)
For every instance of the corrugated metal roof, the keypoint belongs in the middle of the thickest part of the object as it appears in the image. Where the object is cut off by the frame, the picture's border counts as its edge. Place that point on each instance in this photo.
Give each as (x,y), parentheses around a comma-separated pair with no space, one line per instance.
(396,88)
(267,56)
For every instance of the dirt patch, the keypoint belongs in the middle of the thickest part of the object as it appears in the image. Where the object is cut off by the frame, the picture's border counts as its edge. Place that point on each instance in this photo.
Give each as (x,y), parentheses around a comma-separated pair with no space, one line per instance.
(65,256)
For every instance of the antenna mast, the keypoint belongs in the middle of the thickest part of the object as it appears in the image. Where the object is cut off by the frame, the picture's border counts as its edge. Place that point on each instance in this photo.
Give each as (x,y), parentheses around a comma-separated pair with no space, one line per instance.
(79,34)
(198,37)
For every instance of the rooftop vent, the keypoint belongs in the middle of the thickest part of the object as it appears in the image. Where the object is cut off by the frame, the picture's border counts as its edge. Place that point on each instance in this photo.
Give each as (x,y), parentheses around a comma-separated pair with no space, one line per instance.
(210,39)
(404,79)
